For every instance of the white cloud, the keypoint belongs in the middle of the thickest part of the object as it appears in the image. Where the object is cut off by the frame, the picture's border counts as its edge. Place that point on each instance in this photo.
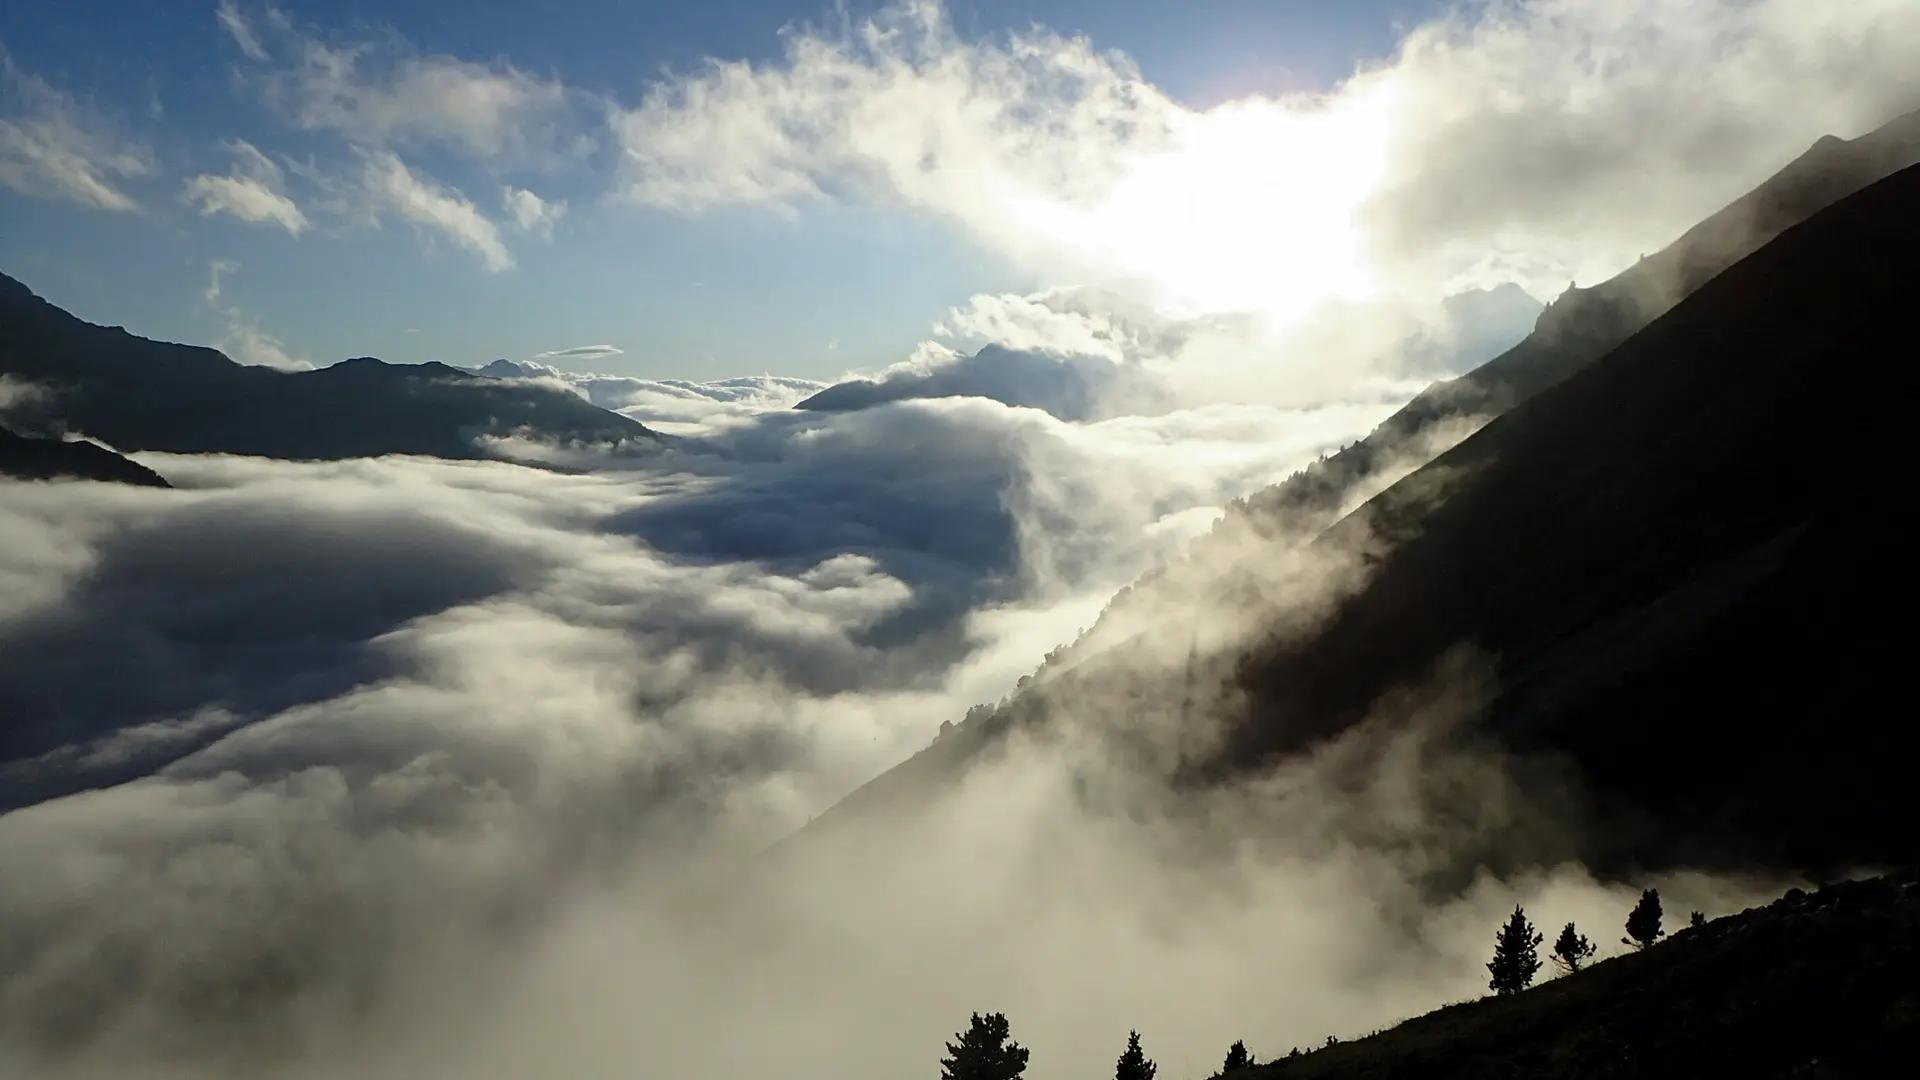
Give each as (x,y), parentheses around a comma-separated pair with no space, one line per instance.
(248,344)
(51,146)
(1074,322)
(531,213)
(1561,139)
(253,192)
(490,825)
(580,352)
(235,23)
(240,338)
(391,187)
(1563,136)
(384,92)
(15,393)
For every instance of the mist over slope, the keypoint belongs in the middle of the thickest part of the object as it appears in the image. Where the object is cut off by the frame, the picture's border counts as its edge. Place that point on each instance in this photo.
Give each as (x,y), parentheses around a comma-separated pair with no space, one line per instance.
(1633,561)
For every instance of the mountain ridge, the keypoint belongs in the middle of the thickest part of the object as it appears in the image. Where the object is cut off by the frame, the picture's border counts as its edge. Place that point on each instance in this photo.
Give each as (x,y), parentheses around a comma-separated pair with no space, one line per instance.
(23,457)
(1863,229)
(135,393)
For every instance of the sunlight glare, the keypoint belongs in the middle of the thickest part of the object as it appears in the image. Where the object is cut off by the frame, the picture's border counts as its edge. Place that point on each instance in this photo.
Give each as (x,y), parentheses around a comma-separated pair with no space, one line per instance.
(1252,211)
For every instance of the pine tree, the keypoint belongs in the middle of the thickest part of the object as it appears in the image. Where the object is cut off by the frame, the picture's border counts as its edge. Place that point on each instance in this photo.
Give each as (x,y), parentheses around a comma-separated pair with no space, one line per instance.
(1643,924)
(1571,950)
(1237,1058)
(984,1052)
(1134,1064)
(1516,955)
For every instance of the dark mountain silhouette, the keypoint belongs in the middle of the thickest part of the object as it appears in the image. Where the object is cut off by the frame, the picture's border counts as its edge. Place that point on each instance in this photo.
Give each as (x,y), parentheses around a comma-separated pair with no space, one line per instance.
(138,394)
(1666,554)
(1584,324)
(504,368)
(1072,388)
(27,458)
(1811,985)
(1674,564)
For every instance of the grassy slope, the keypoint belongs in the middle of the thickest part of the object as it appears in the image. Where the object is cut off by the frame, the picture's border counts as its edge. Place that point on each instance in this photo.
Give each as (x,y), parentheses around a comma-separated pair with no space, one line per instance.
(1816,986)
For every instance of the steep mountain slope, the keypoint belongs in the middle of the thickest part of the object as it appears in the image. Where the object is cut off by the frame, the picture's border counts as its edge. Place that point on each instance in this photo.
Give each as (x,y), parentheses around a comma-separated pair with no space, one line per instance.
(1675,564)
(1583,324)
(28,458)
(1668,554)
(138,394)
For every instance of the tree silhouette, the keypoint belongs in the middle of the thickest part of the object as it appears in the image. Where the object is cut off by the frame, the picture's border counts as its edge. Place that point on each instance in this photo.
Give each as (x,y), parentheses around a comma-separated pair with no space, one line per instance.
(1134,1063)
(1571,950)
(1516,955)
(984,1052)
(1699,919)
(1643,924)
(1237,1058)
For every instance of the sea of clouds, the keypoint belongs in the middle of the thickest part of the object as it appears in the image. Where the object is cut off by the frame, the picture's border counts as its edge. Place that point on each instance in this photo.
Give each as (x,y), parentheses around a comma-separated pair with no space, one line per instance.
(417,768)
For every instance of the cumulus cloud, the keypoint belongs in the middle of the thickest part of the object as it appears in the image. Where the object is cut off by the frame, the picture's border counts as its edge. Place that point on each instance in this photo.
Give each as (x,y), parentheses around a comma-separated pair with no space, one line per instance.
(1579,135)
(1530,142)
(54,147)
(391,187)
(254,191)
(531,213)
(384,92)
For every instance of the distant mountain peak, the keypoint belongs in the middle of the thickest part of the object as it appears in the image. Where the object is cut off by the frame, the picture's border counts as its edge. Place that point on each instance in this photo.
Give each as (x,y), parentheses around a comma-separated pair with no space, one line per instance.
(503,369)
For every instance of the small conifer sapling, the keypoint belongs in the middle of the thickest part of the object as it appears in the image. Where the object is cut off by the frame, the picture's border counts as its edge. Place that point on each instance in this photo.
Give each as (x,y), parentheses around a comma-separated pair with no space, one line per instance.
(1516,955)
(1134,1063)
(1643,924)
(984,1052)
(1572,950)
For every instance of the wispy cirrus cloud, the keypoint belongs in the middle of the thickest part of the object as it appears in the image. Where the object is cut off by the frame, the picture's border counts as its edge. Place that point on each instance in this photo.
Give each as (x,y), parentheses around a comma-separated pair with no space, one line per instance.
(391,187)
(55,147)
(254,191)
(385,92)
(241,338)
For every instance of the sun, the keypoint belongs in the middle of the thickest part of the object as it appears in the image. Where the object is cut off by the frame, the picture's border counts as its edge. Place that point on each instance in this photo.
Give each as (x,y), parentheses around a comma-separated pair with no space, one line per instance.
(1252,207)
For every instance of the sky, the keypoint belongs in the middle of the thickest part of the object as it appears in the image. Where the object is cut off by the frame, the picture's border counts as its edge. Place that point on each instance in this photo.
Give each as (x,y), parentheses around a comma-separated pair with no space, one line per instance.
(163,94)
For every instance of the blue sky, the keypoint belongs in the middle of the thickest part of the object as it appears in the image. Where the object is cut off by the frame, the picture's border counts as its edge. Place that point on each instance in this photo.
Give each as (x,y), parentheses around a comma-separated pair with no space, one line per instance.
(729,287)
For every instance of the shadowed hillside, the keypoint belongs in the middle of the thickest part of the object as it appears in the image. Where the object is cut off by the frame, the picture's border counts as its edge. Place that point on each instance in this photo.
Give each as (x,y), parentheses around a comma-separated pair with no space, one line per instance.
(1584,324)
(1668,553)
(138,394)
(27,458)
(1672,563)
